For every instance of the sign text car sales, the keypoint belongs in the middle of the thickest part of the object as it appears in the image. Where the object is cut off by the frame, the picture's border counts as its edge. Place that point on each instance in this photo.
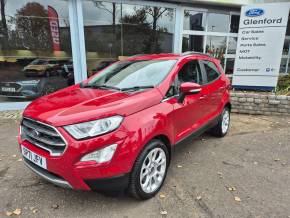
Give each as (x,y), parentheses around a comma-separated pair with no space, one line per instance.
(260,43)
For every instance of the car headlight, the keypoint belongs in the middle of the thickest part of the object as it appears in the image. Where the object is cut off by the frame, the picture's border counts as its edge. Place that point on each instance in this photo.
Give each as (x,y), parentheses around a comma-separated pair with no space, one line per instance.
(102,155)
(94,128)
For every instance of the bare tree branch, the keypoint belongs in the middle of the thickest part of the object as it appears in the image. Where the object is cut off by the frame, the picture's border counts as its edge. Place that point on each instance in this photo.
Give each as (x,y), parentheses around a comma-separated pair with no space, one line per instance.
(100,5)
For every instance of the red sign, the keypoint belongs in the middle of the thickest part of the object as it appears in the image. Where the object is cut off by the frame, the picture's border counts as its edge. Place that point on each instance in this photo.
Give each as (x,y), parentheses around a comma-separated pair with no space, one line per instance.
(54,28)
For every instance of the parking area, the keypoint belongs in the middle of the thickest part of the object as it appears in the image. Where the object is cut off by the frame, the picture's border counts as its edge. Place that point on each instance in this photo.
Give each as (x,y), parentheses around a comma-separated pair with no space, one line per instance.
(245,174)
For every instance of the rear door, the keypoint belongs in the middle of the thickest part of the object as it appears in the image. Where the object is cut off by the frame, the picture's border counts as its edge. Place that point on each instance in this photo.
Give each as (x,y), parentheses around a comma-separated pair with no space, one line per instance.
(213,87)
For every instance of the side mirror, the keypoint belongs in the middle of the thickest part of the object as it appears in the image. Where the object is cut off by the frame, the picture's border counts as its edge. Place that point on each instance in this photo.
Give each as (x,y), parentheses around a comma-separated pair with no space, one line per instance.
(190,88)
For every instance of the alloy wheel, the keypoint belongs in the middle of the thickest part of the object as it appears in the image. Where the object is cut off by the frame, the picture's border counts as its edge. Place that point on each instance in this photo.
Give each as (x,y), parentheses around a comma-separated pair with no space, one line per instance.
(225,121)
(153,170)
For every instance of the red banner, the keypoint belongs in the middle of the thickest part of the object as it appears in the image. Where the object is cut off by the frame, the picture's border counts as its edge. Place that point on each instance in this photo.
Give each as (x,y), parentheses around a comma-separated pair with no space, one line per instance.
(54,28)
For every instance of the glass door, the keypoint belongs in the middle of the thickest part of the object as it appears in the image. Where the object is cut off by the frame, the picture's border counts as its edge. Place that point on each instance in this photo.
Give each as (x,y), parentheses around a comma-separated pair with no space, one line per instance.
(212,32)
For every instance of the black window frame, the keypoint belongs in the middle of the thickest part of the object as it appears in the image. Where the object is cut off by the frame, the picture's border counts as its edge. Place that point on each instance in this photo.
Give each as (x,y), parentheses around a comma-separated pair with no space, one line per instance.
(176,81)
(201,80)
(205,74)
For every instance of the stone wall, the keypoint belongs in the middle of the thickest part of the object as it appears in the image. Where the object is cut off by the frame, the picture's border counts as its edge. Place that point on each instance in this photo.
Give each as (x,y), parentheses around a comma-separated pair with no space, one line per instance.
(260,103)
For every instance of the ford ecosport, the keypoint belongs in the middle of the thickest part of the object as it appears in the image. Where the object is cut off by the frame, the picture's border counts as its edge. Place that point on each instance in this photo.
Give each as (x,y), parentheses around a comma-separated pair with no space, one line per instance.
(117,129)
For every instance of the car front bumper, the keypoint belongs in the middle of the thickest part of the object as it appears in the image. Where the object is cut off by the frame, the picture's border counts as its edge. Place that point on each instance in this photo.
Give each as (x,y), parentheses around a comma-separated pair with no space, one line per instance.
(68,171)
(20,95)
(34,73)
(105,184)
(24,91)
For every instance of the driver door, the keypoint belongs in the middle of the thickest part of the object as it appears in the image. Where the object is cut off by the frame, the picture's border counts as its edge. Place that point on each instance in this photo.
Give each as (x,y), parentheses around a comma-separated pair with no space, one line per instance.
(189,113)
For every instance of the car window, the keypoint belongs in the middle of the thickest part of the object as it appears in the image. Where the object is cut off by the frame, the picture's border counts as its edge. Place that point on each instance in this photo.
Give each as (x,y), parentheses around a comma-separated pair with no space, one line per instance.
(38,62)
(190,72)
(211,71)
(125,74)
(171,91)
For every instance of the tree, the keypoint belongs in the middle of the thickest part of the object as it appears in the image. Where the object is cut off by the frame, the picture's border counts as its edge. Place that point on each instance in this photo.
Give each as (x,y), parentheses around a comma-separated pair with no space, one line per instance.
(156,13)
(32,26)
(113,11)
(136,31)
(147,18)
(143,24)
(4,28)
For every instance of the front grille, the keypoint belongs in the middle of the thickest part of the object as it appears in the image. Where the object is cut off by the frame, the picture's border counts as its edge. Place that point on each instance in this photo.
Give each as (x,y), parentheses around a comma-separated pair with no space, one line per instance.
(11,85)
(31,71)
(42,136)
(12,94)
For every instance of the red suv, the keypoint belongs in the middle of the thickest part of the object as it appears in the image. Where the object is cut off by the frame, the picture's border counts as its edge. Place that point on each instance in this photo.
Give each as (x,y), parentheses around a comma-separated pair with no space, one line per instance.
(117,129)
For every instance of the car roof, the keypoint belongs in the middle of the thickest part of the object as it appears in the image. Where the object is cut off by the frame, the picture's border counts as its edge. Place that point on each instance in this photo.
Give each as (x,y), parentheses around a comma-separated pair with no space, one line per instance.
(167,56)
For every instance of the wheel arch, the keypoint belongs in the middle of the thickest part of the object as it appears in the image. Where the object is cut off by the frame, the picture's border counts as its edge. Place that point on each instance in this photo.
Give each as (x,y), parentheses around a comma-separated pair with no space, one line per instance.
(228,105)
(162,137)
(166,141)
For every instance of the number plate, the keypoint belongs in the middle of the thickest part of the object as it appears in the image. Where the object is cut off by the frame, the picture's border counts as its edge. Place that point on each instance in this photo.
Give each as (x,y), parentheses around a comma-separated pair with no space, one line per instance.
(35,158)
(8,89)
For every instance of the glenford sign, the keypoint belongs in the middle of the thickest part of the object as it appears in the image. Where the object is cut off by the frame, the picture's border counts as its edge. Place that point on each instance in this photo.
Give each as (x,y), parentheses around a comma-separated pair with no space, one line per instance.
(260,43)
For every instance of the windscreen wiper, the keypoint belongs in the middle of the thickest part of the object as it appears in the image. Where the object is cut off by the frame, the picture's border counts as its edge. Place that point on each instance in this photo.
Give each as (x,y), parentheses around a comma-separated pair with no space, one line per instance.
(136,88)
(100,87)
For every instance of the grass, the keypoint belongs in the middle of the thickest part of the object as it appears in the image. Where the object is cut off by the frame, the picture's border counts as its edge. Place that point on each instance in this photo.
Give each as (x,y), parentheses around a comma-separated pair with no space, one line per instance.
(283,86)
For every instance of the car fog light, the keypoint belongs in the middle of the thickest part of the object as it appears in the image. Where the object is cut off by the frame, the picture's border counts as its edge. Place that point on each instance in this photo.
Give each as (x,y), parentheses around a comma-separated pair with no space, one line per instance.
(102,155)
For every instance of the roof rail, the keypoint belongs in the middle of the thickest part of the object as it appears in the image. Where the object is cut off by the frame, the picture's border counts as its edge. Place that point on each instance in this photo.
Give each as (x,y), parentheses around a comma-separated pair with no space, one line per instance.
(194,53)
(137,55)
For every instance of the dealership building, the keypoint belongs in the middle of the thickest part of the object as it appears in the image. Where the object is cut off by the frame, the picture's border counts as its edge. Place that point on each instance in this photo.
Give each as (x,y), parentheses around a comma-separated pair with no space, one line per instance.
(46,45)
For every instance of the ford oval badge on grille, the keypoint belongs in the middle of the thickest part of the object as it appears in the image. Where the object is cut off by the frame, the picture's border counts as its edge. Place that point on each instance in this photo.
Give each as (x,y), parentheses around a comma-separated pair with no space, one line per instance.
(35,132)
(254,12)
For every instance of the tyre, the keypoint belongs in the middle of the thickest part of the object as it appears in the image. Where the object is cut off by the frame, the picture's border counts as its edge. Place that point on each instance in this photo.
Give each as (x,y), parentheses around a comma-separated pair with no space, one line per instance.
(222,127)
(149,171)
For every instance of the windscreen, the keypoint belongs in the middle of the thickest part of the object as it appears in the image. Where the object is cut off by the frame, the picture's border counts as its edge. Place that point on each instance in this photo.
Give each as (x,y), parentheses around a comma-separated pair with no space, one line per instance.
(125,74)
(38,62)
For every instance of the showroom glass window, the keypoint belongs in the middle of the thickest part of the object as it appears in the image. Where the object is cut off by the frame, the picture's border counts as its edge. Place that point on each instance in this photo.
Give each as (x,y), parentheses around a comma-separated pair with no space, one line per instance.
(114,31)
(216,47)
(235,23)
(192,43)
(35,49)
(213,32)
(194,20)
(285,61)
(218,22)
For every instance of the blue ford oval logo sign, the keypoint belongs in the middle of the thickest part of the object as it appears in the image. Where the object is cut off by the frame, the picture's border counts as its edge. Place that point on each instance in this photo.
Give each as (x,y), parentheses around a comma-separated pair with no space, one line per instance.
(254,12)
